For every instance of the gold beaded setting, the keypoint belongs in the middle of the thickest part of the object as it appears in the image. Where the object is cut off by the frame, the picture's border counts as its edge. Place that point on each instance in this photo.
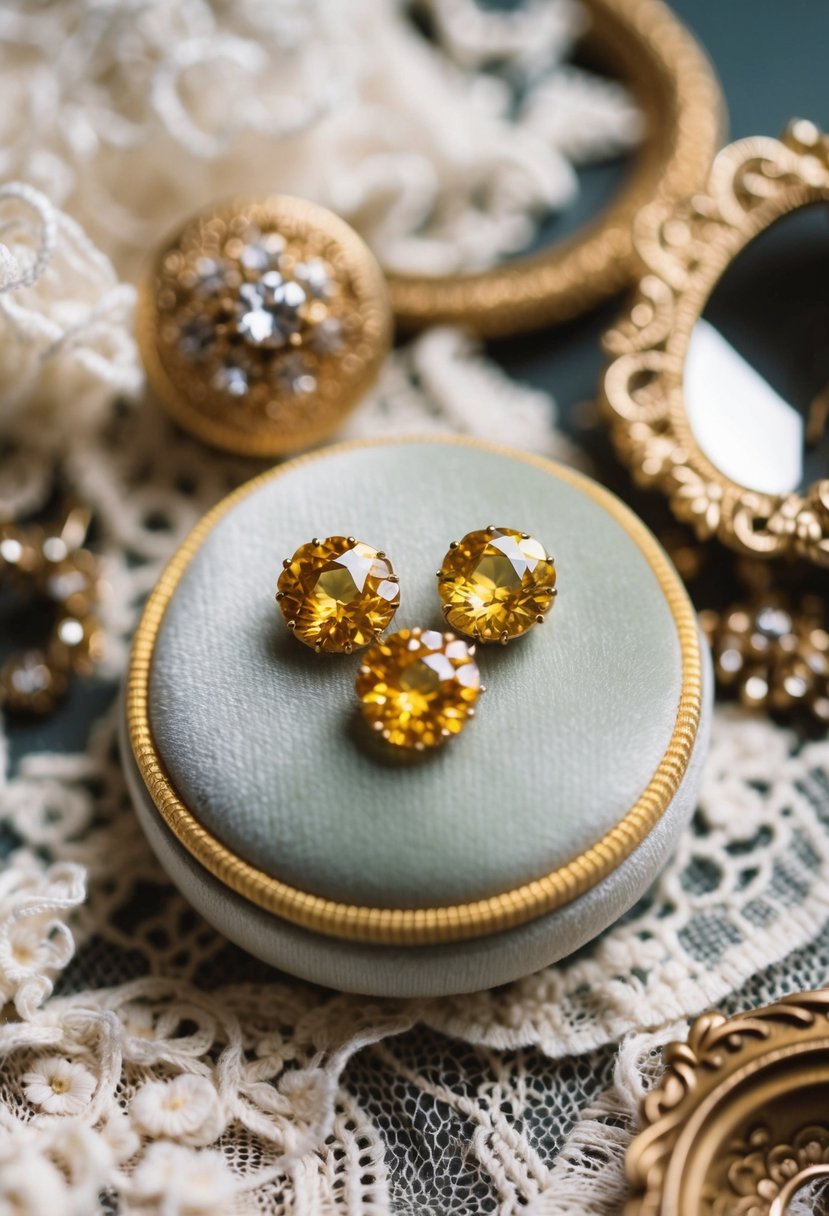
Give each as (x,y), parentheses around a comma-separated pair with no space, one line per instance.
(261,324)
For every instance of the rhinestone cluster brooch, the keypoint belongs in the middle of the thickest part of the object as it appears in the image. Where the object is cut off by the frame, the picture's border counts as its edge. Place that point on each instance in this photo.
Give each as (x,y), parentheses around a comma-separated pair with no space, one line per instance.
(262,323)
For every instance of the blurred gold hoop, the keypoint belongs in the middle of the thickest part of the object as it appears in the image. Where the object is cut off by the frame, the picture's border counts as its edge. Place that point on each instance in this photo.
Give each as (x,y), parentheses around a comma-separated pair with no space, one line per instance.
(642,43)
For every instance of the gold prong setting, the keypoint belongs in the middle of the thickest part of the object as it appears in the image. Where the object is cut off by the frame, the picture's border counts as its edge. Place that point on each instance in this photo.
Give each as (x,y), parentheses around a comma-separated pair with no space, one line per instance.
(496,584)
(418,687)
(337,594)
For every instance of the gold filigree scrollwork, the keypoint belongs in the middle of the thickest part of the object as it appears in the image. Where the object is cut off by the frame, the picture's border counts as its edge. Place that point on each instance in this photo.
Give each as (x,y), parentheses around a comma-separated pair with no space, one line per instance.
(685,249)
(739,1122)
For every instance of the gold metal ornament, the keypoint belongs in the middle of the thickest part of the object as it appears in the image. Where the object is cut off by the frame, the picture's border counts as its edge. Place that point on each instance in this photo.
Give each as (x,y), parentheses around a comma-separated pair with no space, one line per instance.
(48,566)
(739,1123)
(768,634)
(686,248)
(644,44)
(337,594)
(772,652)
(261,324)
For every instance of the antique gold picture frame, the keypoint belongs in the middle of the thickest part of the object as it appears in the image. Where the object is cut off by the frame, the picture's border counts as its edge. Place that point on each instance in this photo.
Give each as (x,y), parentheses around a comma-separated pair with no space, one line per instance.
(685,249)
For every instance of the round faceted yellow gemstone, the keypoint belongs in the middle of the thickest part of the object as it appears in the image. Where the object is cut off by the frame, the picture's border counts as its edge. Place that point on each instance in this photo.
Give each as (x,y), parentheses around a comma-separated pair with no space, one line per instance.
(338,594)
(418,687)
(496,584)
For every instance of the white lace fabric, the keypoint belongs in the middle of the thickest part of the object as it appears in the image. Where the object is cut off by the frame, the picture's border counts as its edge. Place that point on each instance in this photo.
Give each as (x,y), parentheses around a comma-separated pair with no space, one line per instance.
(148,1066)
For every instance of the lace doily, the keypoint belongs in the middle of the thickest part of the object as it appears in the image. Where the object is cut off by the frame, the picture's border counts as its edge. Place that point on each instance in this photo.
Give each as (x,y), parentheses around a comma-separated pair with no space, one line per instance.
(125,114)
(148,1065)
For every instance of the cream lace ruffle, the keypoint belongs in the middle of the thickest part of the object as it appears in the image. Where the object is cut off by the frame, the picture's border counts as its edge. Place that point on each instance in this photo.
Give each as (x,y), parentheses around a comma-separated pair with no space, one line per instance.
(147,1065)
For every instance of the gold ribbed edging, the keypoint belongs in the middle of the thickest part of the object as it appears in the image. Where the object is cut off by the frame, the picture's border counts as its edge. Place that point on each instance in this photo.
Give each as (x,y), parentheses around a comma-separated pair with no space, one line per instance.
(674,85)
(419,926)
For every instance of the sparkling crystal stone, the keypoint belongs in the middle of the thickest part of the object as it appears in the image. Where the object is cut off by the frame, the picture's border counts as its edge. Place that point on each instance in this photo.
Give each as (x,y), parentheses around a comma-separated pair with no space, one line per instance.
(258,327)
(252,296)
(254,257)
(314,277)
(232,380)
(211,276)
(496,584)
(271,310)
(775,622)
(270,283)
(337,594)
(418,688)
(29,673)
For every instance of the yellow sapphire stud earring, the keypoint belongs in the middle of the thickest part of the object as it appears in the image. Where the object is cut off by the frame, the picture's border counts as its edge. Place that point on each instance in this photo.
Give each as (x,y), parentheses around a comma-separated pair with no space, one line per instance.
(418,687)
(262,323)
(337,594)
(496,583)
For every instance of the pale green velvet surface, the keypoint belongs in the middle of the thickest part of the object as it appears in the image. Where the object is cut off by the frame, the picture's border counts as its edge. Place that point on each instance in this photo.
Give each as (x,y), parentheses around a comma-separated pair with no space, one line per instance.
(427,971)
(260,738)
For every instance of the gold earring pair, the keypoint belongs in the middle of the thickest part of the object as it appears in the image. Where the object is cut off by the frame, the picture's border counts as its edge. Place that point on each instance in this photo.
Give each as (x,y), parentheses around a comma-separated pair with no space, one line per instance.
(417,687)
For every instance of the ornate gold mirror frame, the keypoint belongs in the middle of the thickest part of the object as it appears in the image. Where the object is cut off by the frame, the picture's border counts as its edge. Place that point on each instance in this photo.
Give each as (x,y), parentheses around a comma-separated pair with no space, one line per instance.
(642,43)
(685,250)
(740,1120)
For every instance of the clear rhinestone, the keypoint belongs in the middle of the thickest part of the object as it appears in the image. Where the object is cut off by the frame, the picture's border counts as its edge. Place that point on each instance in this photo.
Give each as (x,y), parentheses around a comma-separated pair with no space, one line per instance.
(731,661)
(274,245)
(314,277)
(287,301)
(259,328)
(274,314)
(251,295)
(55,549)
(776,622)
(255,258)
(269,285)
(70,632)
(211,276)
(29,674)
(232,380)
(11,550)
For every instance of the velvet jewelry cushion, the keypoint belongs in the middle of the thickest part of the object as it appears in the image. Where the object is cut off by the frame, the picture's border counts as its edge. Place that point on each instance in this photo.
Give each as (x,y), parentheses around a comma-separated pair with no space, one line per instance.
(507,849)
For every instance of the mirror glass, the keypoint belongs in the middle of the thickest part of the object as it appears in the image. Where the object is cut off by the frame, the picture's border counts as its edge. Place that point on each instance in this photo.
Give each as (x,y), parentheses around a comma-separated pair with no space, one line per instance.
(756,381)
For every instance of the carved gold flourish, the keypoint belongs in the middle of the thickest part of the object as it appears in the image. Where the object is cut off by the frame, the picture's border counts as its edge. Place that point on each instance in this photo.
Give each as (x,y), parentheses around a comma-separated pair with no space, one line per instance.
(685,249)
(738,1122)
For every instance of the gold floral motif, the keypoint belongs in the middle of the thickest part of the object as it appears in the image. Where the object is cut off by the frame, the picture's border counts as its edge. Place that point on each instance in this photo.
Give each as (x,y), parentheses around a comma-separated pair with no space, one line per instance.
(685,249)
